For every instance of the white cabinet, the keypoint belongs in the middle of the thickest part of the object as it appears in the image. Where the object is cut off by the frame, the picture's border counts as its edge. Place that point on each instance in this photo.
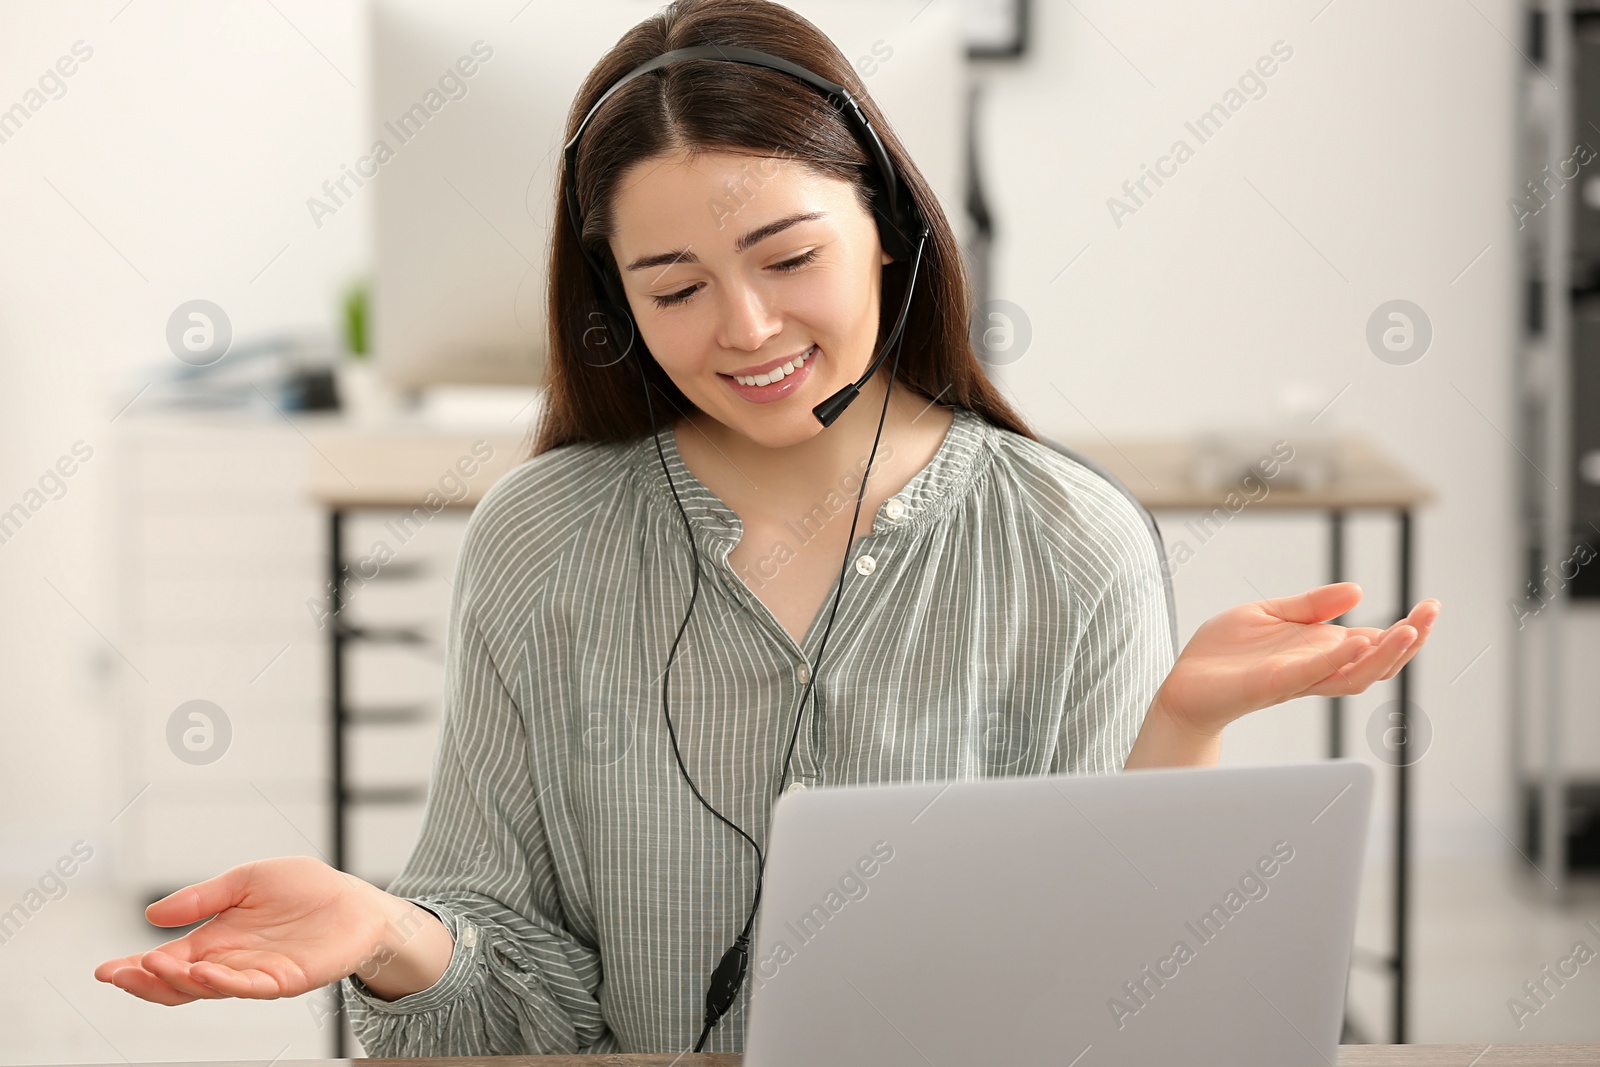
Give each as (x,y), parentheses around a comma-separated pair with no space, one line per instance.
(221,562)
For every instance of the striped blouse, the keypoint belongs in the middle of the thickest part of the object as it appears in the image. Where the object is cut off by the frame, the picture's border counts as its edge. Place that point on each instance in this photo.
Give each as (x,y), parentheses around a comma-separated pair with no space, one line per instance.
(1006,615)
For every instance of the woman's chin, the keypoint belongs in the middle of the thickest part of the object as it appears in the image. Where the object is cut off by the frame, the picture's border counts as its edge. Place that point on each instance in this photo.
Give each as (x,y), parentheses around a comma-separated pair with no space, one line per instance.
(770,425)
(782,431)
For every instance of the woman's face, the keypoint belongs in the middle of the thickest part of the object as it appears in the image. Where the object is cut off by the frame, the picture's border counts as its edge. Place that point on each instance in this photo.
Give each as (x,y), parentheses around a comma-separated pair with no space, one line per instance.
(739,268)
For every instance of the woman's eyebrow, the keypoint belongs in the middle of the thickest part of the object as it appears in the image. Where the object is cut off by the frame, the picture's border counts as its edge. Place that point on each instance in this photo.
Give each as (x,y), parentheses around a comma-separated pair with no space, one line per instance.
(755,236)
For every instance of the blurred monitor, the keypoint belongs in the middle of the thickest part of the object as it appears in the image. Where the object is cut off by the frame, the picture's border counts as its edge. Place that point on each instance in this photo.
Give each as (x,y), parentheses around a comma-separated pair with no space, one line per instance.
(463,194)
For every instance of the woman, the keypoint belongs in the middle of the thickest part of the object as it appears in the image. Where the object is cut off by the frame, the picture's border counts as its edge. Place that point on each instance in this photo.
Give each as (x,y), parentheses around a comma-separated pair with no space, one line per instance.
(584,861)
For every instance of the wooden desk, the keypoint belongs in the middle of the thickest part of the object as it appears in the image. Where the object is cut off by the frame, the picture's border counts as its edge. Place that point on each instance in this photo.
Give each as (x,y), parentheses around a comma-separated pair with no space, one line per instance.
(1158,472)
(397,468)
(1349,1056)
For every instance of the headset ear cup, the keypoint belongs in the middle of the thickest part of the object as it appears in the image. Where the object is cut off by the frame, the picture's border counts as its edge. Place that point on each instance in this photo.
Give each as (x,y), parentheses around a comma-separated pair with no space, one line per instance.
(892,234)
(900,233)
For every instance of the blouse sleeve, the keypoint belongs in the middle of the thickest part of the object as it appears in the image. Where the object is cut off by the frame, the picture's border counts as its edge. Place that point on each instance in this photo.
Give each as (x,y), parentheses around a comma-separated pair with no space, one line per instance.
(1123,653)
(518,981)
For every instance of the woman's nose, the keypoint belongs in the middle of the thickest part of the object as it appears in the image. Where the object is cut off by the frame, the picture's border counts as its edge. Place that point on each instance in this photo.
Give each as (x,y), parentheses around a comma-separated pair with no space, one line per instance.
(747,321)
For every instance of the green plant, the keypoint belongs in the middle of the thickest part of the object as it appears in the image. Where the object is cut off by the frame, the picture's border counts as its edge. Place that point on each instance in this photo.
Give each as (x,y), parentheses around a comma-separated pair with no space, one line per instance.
(355,319)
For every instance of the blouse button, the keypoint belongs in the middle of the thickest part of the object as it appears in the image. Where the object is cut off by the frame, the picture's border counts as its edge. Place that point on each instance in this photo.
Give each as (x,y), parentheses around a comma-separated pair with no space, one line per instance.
(802,673)
(795,787)
(865,564)
(894,508)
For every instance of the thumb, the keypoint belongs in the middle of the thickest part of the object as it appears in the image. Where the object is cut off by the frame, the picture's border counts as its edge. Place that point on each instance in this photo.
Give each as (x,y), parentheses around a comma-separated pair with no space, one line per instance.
(201,900)
(1315,605)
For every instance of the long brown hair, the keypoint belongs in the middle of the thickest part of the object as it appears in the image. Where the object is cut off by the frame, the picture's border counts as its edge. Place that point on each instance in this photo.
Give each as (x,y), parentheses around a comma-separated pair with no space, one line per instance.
(711,105)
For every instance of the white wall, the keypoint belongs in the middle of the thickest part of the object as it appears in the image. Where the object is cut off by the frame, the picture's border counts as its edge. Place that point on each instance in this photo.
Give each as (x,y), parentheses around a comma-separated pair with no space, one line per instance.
(1376,165)
(175,166)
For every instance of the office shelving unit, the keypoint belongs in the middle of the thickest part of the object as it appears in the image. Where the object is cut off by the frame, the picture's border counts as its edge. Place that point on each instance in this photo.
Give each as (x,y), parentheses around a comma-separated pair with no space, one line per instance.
(1560,280)
(383,720)
(386,652)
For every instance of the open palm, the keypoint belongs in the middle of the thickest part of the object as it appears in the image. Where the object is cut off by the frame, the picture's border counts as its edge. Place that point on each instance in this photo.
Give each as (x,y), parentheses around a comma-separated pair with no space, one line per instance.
(1269,651)
(282,927)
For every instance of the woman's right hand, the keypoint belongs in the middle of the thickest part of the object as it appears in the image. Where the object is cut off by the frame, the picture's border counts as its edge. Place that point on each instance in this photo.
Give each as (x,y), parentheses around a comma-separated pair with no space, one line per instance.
(281,927)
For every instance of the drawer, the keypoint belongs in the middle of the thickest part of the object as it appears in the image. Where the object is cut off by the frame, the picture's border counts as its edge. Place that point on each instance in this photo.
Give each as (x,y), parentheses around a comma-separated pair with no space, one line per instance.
(416,538)
(242,595)
(230,534)
(219,465)
(423,603)
(289,675)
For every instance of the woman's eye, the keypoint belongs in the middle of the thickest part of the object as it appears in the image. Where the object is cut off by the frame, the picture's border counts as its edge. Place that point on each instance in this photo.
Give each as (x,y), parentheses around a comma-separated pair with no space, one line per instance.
(674,298)
(785,267)
(797,262)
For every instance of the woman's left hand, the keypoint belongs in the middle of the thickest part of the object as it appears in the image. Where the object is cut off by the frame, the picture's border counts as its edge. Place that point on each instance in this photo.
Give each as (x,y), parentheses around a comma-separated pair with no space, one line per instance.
(1260,654)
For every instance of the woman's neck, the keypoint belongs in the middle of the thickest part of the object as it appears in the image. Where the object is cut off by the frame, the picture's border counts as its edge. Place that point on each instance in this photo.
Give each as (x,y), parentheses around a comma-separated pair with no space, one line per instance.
(761,482)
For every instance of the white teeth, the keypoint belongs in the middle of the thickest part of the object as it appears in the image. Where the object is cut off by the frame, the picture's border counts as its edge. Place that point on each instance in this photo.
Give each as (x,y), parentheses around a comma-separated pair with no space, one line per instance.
(776,374)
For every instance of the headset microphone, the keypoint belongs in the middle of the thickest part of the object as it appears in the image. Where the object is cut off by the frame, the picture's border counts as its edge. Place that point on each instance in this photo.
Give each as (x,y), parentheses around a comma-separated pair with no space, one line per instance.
(834,406)
(904,234)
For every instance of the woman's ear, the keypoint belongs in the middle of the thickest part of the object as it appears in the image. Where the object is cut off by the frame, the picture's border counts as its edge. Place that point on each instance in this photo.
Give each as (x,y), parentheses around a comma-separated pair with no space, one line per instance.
(887,259)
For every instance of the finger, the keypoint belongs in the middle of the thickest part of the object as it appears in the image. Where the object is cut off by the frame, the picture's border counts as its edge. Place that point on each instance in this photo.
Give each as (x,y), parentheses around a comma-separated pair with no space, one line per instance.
(1422,614)
(146,986)
(1400,664)
(1292,677)
(250,982)
(1315,605)
(175,973)
(201,900)
(1367,668)
(1424,628)
(104,972)
(1386,652)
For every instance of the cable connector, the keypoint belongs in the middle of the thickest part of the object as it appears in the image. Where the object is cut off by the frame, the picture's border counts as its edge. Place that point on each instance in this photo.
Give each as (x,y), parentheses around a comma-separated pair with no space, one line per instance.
(725,983)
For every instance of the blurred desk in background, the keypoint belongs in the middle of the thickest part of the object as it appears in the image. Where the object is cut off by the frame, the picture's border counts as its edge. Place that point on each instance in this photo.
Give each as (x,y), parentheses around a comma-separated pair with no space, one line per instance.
(398,468)
(1161,472)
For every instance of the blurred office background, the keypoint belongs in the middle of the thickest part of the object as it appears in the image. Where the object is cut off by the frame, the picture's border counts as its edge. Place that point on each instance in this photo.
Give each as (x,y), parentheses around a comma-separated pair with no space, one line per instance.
(189,268)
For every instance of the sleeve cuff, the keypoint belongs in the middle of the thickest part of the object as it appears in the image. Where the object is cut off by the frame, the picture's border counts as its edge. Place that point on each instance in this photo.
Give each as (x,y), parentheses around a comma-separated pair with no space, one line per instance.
(456,977)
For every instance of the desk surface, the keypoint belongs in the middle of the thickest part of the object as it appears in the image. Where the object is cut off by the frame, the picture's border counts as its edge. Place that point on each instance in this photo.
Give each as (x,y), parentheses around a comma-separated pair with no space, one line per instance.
(354,467)
(1349,1056)
(1160,472)
(398,468)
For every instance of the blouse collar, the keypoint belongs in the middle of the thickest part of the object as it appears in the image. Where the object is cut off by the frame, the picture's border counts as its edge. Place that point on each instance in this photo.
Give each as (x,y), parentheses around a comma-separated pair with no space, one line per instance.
(930,493)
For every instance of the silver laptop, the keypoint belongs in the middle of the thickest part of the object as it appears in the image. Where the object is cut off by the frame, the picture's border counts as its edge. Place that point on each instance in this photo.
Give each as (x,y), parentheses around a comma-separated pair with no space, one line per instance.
(1190,915)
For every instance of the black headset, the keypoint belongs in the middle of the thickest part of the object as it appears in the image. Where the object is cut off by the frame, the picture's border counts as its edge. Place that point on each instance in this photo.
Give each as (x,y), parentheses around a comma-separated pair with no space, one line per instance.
(903,233)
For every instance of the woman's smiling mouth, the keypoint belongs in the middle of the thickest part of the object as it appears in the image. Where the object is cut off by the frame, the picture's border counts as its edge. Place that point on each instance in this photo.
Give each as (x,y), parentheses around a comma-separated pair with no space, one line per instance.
(775,381)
